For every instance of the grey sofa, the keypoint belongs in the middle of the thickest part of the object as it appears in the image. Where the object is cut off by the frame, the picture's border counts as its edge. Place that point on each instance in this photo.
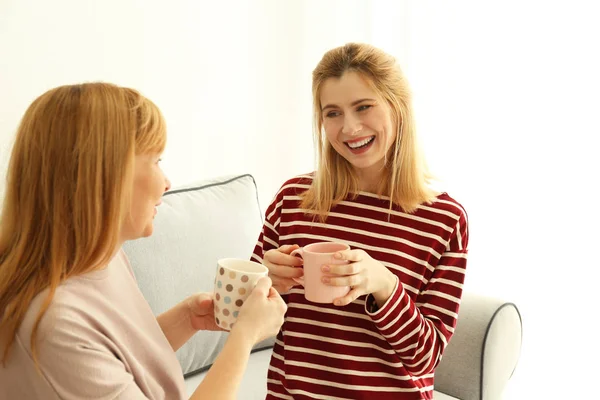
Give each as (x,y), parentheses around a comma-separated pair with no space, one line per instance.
(221,217)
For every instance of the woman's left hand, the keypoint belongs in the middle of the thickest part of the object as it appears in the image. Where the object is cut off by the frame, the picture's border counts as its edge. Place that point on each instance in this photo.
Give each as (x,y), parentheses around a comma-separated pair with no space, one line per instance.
(363,274)
(202,315)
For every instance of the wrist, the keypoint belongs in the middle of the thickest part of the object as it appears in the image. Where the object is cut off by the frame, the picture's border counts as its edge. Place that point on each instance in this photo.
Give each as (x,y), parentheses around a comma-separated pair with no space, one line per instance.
(383,295)
(189,315)
(241,338)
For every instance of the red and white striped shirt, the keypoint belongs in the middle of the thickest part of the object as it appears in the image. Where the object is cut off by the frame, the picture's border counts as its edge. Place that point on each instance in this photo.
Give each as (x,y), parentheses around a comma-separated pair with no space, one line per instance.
(330,352)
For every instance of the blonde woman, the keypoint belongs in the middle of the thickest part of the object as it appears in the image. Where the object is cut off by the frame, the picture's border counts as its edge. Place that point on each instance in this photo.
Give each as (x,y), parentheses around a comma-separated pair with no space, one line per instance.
(408,243)
(84,177)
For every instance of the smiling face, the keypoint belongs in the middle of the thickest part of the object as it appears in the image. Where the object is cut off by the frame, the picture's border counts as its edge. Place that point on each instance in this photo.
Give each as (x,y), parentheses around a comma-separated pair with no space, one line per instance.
(358,123)
(149,184)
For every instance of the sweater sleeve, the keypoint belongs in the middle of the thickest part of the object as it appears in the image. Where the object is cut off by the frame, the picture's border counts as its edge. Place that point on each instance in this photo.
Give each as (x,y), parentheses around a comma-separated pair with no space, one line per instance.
(269,235)
(420,330)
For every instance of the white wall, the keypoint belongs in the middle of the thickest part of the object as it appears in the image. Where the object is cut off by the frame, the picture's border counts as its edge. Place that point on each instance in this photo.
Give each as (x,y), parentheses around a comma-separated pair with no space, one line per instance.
(508,105)
(232,77)
(506,98)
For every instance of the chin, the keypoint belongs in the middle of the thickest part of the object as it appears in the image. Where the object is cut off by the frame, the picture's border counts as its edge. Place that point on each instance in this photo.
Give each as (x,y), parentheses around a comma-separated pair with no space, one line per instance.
(364,165)
(148,231)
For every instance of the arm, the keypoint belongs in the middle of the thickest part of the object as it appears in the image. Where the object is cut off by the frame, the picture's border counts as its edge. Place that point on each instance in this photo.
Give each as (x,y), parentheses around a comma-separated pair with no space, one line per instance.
(176,324)
(269,235)
(419,330)
(260,317)
(225,375)
(180,323)
(282,266)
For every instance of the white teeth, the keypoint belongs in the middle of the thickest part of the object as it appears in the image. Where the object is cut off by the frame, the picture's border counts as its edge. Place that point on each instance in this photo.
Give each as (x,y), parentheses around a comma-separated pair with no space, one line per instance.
(355,145)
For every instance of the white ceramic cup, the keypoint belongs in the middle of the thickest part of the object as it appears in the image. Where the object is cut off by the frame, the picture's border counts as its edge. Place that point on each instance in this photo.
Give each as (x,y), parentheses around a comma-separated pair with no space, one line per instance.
(234,281)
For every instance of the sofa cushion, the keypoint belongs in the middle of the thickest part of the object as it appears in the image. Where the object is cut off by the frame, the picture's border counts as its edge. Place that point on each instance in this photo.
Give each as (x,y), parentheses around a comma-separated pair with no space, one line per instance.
(194,227)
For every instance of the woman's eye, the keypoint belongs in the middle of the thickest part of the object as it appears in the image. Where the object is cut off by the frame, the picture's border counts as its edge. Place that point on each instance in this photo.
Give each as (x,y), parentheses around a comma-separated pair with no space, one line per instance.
(364,107)
(332,114)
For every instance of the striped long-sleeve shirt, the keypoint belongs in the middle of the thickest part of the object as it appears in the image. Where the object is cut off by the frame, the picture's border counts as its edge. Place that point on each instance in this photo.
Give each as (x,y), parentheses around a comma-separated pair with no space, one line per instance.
(352,352)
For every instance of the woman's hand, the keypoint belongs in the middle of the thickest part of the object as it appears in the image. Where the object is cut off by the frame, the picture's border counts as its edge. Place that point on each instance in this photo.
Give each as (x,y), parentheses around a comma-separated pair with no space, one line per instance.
(283,267)
(262,314)
(202,315)
(363,274)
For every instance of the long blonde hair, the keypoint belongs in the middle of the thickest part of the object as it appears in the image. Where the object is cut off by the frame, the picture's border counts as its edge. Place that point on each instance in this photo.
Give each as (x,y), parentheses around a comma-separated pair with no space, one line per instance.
(68,191)
(406,179)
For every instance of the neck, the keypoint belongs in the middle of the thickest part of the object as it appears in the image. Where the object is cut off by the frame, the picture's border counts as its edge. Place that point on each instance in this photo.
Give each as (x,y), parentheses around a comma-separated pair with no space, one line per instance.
(118,248)
(369,178)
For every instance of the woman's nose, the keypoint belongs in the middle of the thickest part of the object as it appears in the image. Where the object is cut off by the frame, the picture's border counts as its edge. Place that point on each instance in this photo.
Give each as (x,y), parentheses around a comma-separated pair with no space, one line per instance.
(352,125)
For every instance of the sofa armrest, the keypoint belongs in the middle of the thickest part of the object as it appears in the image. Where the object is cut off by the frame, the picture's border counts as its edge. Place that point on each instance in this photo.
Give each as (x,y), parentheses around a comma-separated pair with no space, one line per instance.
(483,351)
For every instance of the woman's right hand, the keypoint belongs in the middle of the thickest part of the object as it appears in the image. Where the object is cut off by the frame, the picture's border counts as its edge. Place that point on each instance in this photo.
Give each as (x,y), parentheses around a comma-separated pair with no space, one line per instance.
(261,315)
(283,267)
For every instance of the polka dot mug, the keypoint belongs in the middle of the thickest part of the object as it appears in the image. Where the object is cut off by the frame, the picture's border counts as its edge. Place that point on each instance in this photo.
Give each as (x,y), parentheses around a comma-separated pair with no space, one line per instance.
(234,281)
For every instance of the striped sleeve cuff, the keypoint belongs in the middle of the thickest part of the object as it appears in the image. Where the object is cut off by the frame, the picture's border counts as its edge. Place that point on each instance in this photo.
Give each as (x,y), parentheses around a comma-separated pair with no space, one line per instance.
(373,310)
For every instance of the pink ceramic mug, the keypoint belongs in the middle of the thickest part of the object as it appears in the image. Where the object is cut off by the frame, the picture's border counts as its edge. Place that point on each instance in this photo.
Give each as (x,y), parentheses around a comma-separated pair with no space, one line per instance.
(315,256)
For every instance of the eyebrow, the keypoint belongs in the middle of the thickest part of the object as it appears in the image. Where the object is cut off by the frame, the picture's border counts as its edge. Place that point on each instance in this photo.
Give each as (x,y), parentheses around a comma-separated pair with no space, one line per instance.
(353,104)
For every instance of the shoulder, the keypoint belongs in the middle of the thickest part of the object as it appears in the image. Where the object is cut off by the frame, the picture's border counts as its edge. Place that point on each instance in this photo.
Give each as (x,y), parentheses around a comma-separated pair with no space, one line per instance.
(62,316)
(447,205)
(296,185)
(77,302)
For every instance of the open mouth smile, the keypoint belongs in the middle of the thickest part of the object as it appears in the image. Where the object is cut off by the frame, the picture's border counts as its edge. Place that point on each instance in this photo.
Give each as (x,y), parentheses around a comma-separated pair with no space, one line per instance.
(360,145)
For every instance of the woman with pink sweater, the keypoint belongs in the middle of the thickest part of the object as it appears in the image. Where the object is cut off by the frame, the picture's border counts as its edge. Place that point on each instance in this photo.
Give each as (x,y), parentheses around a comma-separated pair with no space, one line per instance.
(84,177)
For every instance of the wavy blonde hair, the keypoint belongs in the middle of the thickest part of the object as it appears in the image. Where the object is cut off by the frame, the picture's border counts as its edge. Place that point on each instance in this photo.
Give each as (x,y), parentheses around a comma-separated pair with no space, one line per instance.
(406,178)
(68,190)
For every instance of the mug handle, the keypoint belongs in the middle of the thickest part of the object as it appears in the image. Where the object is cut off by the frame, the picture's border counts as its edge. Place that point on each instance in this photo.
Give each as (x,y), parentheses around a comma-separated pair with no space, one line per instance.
(298,252)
